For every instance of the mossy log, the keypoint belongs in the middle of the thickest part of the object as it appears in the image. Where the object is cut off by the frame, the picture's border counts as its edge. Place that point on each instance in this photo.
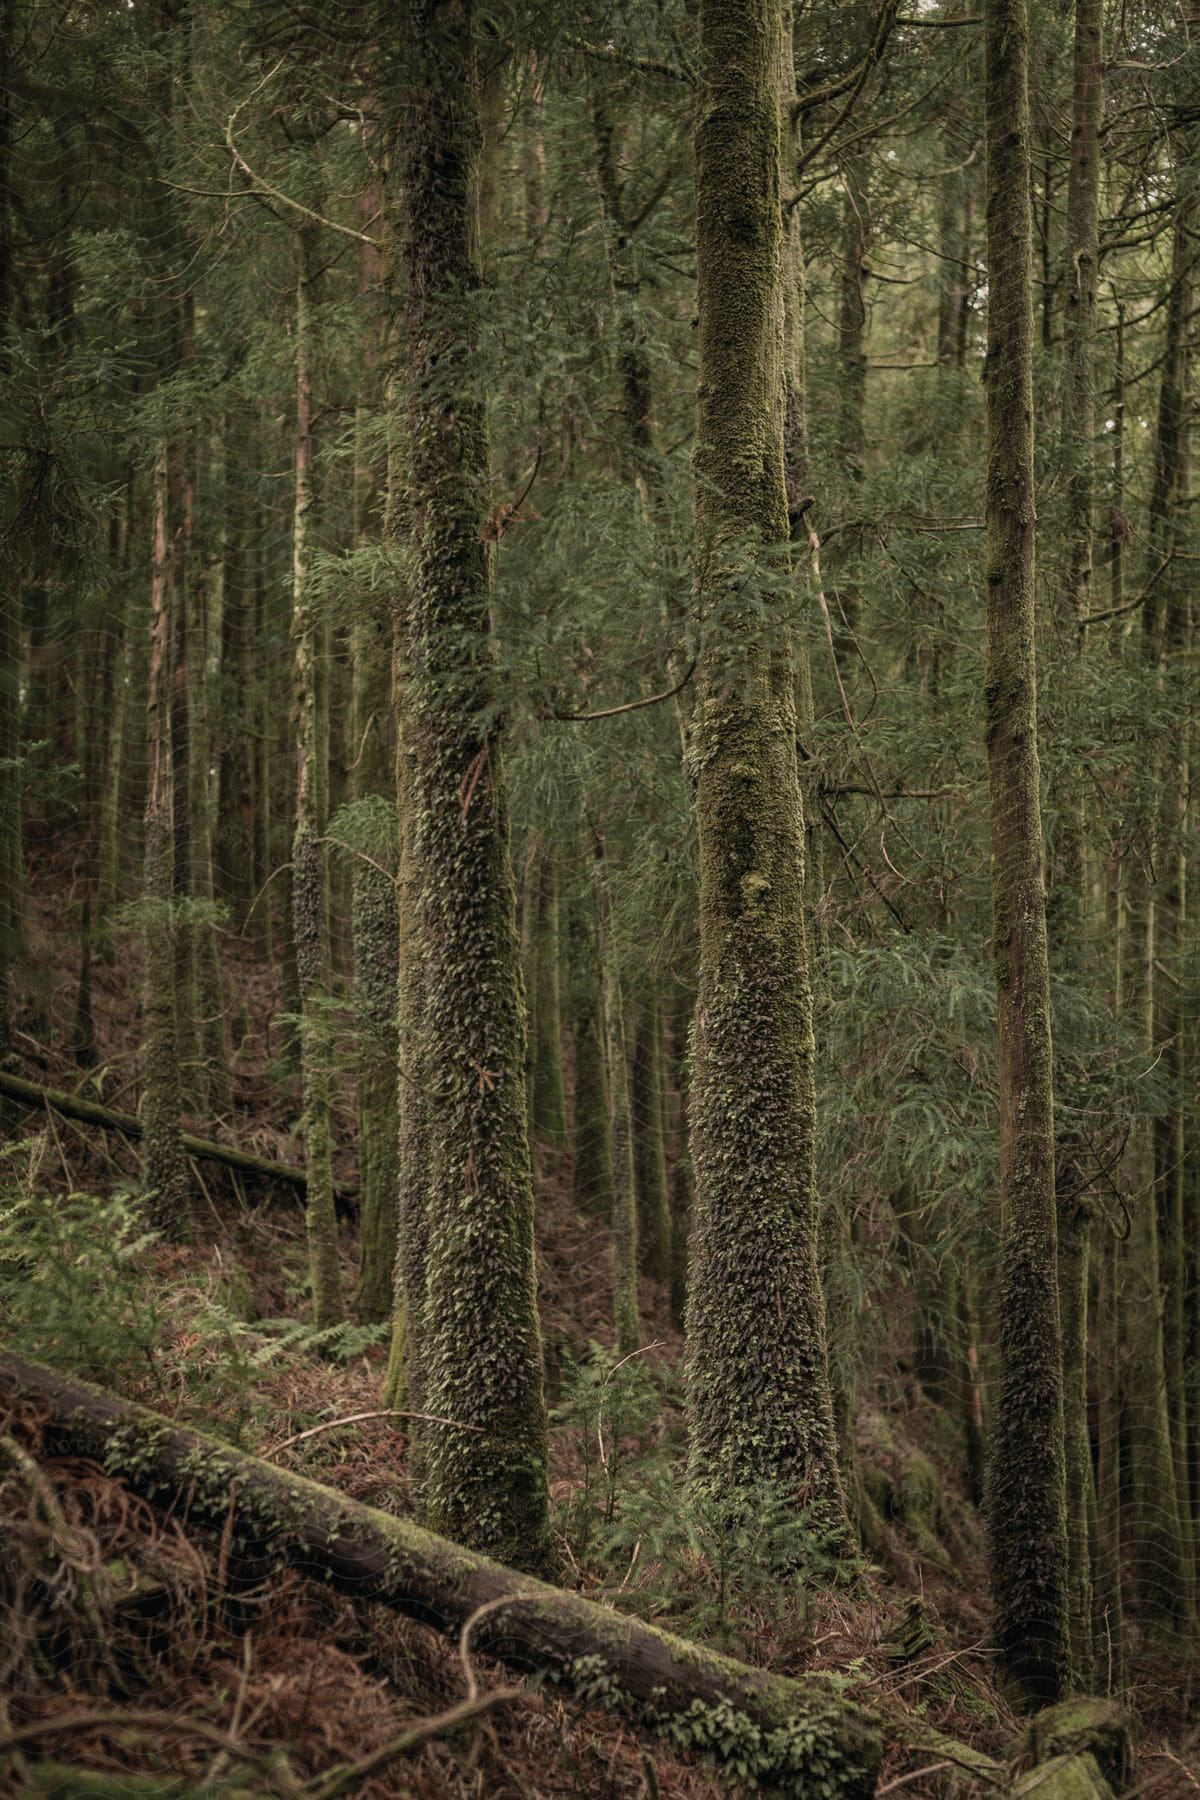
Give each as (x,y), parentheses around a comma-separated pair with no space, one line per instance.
(1101,1729)
(107,1118)
(803,1734)
(1064,1778)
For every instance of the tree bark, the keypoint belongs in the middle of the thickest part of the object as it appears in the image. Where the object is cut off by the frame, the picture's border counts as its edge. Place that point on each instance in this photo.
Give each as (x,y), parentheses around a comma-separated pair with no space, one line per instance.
(309,852)
(1067,908)
(647,1082)
(166,1164)
(760,1415)
(478,1337)
(1027,1494)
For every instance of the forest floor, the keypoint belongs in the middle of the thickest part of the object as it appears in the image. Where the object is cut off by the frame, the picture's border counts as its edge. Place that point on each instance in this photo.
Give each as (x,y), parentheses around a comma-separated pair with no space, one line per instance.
(132,1650)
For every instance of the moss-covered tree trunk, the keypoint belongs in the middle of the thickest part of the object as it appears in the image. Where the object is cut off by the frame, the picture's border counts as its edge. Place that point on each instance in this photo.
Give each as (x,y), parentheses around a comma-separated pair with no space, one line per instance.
(376,965)
(1067,901)
(373,874)
(1027,1476)
(201,599)
(1108,1616)
(10,595)
(113,823)
(682,1186)
(166,1169)
(310,915)
(1166,641)
(237,724)
(760,1402)
(262,714)
(480,1349)
(404,1385)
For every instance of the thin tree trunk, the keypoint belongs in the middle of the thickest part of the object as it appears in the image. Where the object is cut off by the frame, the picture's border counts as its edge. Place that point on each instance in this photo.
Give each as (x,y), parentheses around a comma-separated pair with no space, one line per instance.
(309,851)
(373,881)
(235,810)
(624,1175)
(647,1081)
(166,1163)
(547,1099)
(1027,1491)
(1167,639)
(591,1142)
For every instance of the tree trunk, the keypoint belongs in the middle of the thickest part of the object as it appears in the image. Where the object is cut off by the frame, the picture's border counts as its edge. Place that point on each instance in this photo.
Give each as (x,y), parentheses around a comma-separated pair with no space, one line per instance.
(235,810)
(591,1143)
(166,1164)
(647,1082)
(309,851)
(547,1100)
(1067,907)
(765,1419)
(373,882)
(624,1173)
(479,1340)
(1027,1494)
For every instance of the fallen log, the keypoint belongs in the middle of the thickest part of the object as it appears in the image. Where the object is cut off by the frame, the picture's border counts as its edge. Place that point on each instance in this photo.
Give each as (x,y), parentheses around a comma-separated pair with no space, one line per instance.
(804,1734)
(107,1118)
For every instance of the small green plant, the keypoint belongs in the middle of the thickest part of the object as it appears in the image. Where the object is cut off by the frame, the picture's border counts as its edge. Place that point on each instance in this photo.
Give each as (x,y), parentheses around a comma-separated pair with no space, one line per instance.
(80,1290)
(339,1343)
(607,1402)
(738,1575)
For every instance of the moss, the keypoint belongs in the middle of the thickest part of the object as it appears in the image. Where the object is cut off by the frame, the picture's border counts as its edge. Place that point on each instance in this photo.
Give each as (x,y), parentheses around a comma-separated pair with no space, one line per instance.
(761,1408)
(682,1209)
(1100,1726)
(472,1302)
(1027,1479)
(1066,1778)
(376,973)
(1081,1486)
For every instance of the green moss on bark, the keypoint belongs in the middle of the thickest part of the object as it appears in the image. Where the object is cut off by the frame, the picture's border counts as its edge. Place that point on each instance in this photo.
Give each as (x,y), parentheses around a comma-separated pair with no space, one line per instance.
(1027,1483)
(478,1348)
(760,1400)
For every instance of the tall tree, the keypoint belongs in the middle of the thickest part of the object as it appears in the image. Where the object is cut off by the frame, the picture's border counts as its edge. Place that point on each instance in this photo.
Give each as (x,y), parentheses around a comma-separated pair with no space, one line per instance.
(1027,1524)
(762,1414)
(478,1347)
(166,1164)
(310,899)
(1067,905)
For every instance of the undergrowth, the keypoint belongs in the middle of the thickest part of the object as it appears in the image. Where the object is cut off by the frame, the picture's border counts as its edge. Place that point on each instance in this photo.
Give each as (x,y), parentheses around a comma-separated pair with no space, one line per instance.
(683,1555)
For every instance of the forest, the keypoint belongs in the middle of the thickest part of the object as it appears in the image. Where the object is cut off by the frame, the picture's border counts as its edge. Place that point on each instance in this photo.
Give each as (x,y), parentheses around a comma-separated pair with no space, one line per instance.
(599,967)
